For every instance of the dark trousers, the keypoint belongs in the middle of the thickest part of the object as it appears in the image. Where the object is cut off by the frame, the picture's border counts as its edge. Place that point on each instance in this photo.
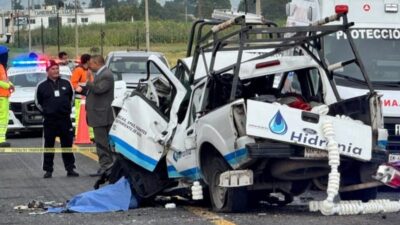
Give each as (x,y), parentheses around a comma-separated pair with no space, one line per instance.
(103,147)
(60,127)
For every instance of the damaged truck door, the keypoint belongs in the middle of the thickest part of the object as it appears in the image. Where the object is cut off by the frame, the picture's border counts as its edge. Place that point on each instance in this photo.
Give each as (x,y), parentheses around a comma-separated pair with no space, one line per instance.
(148,118)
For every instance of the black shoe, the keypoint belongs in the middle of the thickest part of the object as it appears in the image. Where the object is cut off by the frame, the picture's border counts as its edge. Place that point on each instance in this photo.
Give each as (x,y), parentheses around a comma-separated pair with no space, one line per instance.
(5,144)
(72,173)
(48,174)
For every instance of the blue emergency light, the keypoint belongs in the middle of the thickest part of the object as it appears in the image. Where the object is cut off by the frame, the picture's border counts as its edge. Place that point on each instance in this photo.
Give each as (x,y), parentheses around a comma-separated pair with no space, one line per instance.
(32,59)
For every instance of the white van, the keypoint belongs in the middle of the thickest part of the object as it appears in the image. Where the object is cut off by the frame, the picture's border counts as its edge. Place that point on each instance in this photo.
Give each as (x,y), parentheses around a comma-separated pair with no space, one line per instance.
(376,34)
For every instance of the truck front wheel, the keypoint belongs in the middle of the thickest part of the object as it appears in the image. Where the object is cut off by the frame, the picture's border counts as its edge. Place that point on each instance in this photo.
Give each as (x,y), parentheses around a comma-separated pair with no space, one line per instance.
(223,199)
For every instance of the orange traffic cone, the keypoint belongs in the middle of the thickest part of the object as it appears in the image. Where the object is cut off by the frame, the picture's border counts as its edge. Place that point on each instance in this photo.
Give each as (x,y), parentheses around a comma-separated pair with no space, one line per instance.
(82,135)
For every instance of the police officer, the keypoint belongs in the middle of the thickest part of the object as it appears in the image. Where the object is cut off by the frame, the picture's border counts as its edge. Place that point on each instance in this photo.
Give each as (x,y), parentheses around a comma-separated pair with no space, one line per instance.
(6,88)
(54,98)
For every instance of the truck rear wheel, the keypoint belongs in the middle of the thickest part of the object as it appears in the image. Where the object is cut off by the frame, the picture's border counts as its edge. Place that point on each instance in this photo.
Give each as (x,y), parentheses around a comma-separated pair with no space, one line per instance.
(363,195)
(355,174)
(223,199)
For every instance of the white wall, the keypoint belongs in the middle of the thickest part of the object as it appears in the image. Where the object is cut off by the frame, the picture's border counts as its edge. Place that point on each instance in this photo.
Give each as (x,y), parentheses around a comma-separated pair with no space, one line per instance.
(86,16)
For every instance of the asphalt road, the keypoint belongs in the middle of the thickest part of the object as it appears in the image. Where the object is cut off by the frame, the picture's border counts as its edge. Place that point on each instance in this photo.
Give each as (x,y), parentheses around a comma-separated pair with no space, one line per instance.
(21,182)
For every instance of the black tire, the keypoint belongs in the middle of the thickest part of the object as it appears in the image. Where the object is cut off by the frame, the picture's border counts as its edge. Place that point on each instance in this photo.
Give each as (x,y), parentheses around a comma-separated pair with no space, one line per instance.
(358,173)
(299,187)
(364,195)
(223,199)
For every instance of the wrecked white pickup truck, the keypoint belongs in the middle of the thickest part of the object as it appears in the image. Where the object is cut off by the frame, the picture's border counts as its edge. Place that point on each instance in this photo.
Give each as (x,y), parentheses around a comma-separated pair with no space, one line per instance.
(246,121)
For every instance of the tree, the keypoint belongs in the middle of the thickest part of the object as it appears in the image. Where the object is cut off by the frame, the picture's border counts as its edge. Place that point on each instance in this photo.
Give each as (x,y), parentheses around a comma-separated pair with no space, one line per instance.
(95,4)
(59,3)
(271,9)
(122,12)
(107,4)
(205,8)
(132,2)
(16,4)
(155,10)
(175,10)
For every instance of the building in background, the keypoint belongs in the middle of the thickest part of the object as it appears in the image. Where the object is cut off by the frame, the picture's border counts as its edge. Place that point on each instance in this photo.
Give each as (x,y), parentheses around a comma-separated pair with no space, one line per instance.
(48,15)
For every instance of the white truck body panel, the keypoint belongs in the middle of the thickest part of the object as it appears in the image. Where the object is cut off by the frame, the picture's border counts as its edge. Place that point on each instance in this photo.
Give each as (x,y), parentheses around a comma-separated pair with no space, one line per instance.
(282,123)
(137,138)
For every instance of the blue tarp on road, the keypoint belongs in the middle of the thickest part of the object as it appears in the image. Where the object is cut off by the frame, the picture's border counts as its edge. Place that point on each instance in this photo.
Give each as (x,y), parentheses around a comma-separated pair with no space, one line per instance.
(110,198)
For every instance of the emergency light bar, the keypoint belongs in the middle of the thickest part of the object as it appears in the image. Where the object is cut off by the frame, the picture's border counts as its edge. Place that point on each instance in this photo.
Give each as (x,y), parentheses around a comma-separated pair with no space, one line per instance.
(28,62)
(32,59)
(391,7)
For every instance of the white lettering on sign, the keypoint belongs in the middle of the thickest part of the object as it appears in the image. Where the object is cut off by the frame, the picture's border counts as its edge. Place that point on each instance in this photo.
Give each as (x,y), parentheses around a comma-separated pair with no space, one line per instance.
(397,129)
(371,34)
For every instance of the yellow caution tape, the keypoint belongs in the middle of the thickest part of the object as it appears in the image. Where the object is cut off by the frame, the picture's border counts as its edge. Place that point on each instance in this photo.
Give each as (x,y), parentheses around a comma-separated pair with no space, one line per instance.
(48,150)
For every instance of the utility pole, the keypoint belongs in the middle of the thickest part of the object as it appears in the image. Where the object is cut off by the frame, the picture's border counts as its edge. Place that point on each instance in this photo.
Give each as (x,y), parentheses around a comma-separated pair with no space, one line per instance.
(258,13)
(199,8)
(42,35)
(186,11)
(58,27)
(18,30)
(258,7)
(146,8)
(29,26)
(102,34)
(76,29)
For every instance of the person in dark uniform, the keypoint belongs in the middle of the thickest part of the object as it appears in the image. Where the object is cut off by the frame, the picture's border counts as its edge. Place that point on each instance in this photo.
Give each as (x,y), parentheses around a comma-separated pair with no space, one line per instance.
(54,98)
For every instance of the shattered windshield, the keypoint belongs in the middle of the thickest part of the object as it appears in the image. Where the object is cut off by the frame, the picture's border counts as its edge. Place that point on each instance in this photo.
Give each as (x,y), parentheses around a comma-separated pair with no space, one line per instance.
(135,65)
(379,50)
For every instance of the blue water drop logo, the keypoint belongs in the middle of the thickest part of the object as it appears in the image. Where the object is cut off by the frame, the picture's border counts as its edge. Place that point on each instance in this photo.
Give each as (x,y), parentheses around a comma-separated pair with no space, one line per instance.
(277,124)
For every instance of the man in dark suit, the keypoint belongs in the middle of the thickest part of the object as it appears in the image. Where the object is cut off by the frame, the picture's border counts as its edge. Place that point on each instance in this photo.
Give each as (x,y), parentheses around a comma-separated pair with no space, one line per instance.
(99,95)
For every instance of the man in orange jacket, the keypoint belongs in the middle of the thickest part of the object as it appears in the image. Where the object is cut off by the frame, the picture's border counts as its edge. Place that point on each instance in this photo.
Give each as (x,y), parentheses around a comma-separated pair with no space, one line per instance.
(79,77)
(6,88)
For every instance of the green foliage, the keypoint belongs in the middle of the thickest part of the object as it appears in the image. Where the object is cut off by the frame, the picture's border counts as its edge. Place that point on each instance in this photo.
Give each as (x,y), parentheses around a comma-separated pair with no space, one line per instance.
(58,3)
(175,10)
(116,34)
(205,8)
(16,4)
(155,9)
(109,3)
(95,3)
(122,12)
(271,9)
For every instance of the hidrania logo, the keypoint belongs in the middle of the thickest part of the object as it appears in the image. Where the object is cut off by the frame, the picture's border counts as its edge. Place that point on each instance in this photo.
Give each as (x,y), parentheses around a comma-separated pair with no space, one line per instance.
(277,124)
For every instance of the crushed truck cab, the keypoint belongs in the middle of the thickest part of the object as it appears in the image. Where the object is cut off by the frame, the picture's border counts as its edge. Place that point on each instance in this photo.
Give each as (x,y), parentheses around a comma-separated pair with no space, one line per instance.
(246,120)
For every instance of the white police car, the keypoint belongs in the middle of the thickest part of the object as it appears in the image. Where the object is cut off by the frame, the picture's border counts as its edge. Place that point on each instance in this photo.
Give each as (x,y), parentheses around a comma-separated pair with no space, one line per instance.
(25,74)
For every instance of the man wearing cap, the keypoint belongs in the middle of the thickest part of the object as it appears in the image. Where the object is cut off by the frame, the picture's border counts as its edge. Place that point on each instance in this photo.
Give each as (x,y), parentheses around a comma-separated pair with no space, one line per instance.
(6,88)
(54,98)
